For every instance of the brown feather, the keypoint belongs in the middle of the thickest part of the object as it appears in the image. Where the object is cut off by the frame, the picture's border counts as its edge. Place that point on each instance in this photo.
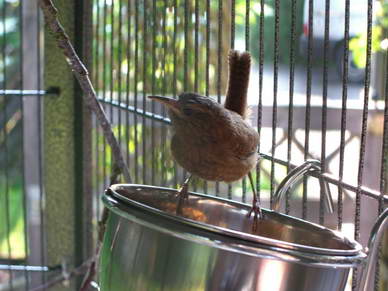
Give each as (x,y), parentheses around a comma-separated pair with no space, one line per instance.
(239,69)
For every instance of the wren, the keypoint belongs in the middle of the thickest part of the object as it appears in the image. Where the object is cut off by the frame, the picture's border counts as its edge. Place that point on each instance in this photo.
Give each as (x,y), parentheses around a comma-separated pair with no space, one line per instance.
(211,141)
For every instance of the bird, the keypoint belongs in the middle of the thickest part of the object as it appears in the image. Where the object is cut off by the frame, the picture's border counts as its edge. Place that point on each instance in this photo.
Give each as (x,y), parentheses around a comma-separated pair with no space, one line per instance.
(213,141)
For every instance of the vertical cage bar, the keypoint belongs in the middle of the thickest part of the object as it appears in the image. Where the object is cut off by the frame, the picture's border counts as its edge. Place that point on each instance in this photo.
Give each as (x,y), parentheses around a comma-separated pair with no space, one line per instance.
(104,87)
(175,61)
(343,113)
(275,93)
(96,126)
(232,41)
(260,101)
(119,70)
(233,23)
(196,45)
(308,99)
(100,156)
(207,78)
(128,79)
(164,86)
(246,27)
(173,47)
(175,71)
(219,65)
(324,103)
(291,95)
(247,24)
(145,39)
(96,14)
(153,89)
(186,50)
(136,161)
(187,15)
(219,50)
(196,61)
(247,43)
(111,78)
(365,110)
(364,121)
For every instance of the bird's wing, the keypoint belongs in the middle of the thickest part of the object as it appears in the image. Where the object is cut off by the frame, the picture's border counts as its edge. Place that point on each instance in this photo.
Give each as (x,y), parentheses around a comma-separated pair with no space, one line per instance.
(243,140)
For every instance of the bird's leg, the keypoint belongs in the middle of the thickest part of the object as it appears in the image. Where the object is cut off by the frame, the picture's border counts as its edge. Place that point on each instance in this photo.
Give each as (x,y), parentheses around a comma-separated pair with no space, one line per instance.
(257,213)
(183,194)
(185,187)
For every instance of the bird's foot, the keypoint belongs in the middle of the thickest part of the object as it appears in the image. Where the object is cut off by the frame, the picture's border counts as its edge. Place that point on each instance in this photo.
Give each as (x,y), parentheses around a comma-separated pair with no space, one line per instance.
(255,209)
(257,214)
(183,191)
(182,196)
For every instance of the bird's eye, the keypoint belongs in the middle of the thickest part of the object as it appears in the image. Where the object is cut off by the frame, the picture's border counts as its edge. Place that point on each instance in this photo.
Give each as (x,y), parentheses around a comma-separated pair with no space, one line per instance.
(188,111)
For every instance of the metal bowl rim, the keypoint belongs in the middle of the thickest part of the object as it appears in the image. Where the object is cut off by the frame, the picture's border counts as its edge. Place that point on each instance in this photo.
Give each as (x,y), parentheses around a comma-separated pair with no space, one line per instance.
(137,216)
(238,234)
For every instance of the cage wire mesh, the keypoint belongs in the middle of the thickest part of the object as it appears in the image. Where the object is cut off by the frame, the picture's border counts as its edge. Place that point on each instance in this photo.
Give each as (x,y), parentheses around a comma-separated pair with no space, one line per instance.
(317,90)
(22,235)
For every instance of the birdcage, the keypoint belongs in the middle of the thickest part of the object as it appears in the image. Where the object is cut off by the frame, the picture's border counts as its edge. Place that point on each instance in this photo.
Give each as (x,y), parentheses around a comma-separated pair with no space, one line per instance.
(318,90)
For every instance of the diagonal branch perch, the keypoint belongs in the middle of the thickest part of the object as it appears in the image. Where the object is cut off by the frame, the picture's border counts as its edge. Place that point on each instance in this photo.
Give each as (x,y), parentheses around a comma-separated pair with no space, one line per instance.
(82,75)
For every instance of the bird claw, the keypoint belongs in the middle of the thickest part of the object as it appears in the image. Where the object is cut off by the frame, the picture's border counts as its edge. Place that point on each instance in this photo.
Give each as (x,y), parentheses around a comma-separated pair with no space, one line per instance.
(256,209)
(182,196)
(183,191)
(257,214)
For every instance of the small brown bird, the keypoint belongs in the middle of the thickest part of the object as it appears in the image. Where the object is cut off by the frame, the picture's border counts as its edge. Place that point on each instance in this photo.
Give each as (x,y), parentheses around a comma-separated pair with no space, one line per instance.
(212,141)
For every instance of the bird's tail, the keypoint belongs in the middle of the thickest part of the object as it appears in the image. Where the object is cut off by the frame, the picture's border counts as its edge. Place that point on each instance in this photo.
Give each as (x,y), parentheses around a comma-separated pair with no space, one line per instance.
(239,69)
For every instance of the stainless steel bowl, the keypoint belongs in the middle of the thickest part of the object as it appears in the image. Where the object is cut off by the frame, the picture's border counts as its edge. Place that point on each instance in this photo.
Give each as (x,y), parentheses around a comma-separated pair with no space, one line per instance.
(208,244)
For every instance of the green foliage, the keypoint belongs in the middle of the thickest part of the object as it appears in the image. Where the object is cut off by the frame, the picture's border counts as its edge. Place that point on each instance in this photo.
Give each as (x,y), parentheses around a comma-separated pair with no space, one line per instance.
(357,45)
(382,16)
(12,239)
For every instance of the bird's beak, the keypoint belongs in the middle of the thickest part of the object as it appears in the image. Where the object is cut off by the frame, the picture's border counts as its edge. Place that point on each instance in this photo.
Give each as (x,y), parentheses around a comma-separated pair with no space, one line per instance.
(169,102)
